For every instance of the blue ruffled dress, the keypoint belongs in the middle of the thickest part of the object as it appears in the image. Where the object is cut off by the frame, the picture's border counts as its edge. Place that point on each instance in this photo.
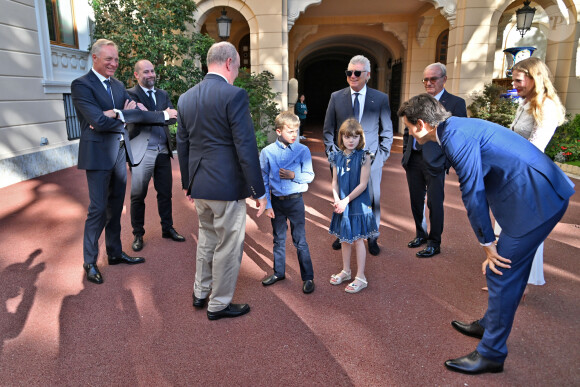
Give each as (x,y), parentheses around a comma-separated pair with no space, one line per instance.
(357,221)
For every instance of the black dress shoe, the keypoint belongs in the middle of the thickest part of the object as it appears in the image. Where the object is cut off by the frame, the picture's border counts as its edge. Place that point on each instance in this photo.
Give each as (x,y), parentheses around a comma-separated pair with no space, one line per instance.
(417,242)
(137,243)
(272,280)
(93,273)
(171,233)
(473,329)
(374,248)
(428,252)
(308,286)
(473,364)
(232,310)
(199,302)
(336,245)
(124,258)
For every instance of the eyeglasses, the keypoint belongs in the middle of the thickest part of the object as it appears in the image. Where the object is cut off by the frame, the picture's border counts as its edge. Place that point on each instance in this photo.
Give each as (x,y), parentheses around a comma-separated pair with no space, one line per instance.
(432,79)
(357,73)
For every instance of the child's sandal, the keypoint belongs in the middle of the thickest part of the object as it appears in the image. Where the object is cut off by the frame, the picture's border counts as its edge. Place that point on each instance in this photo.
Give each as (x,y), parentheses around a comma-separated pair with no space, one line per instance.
(337,279)
(355,287)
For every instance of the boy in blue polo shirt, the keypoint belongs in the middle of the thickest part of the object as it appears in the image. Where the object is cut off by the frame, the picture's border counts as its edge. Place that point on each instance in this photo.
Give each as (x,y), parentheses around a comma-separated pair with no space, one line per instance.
(287,171)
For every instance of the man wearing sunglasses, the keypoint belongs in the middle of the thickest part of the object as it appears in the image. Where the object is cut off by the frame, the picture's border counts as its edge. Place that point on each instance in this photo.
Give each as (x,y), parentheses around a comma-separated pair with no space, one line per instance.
(371,108)
(425,166)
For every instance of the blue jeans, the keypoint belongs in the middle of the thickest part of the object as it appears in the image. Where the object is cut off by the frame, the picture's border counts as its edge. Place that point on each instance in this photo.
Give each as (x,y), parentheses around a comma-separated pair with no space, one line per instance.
(292,210)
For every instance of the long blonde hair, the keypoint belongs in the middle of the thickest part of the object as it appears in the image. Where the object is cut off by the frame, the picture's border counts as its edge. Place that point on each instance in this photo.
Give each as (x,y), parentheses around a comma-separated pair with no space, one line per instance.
(537,70)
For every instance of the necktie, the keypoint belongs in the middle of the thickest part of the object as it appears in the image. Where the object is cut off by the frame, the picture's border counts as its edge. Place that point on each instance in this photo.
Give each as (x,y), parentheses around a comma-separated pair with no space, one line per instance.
(150,92)
(356,108)
(108,84)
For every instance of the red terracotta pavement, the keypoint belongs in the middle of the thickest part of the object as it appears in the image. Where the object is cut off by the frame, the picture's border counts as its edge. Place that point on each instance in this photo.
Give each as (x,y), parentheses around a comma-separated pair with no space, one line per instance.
(139,327)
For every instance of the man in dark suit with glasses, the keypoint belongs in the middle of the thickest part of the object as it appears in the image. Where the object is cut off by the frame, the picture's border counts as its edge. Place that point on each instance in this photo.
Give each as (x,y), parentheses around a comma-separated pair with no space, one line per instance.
(425,166)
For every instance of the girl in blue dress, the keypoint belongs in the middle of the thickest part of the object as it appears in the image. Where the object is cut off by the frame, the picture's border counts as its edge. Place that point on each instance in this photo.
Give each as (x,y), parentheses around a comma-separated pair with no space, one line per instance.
(353,220)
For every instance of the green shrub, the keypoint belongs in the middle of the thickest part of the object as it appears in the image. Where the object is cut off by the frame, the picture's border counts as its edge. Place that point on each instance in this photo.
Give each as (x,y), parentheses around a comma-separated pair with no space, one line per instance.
(263,108)
(488,105)
(565,144)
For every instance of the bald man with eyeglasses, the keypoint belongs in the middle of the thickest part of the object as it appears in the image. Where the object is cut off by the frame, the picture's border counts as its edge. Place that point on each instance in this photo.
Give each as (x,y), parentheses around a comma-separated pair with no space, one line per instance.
(425,166)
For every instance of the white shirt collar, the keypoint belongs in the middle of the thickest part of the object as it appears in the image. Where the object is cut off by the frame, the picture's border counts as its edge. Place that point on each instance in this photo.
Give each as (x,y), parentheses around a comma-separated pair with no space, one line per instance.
(438,96)
(146,89)
(101,78)
(361,92)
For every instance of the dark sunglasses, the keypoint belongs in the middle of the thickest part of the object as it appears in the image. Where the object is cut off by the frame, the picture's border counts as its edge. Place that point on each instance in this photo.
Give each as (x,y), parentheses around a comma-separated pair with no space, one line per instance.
(432,79)
(356,73)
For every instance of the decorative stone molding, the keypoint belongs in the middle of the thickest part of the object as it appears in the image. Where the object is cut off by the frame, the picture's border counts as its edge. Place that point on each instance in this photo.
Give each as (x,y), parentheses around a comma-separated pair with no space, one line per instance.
(302,32)
(400,30)
(67,64)
(423,28)
(448,9)
(67,59)
(296,7)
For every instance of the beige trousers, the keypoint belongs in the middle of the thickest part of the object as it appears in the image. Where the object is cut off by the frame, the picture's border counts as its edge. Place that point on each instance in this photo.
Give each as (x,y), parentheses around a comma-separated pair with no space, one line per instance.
(220,246)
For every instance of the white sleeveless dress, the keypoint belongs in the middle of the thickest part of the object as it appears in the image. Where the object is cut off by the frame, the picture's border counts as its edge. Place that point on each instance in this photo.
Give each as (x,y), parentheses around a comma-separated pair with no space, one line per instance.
(539,135)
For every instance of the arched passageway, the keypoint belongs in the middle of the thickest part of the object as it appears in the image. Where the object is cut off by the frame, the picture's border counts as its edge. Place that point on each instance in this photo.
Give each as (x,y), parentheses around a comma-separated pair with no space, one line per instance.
(320,72)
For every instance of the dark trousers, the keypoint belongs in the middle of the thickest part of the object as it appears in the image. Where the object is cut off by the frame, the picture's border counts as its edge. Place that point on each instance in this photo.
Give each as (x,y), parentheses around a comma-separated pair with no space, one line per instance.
(292,210)
(423,181)
(106,194)
(505,291)
(158,166)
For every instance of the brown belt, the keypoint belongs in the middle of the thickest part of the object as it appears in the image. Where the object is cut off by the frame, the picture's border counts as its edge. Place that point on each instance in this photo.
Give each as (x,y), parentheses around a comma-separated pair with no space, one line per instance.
(288,197)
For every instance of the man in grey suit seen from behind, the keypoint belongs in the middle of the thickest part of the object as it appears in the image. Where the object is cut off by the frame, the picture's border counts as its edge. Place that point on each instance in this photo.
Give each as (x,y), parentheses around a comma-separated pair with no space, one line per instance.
(218,158)
(371,108)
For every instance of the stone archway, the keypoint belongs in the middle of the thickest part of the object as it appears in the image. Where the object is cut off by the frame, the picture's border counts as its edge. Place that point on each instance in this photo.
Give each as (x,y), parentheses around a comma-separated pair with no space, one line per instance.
(559,27)
(320,68)
(205,8)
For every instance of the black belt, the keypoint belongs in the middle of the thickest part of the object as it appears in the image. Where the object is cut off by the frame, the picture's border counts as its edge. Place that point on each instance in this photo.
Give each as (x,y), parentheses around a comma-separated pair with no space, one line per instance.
(121,143)
(288,197)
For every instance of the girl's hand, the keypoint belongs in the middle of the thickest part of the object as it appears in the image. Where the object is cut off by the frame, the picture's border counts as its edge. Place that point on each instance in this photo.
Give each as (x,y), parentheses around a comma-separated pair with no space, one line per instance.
(341,205)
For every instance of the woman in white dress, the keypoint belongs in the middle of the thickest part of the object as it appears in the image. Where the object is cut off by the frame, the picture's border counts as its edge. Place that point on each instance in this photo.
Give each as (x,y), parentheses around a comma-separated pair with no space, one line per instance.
(537,117)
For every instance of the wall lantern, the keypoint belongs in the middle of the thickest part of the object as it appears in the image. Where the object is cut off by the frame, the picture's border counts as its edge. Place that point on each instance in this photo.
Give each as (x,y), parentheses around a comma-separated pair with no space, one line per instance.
(224,25)
(524,17)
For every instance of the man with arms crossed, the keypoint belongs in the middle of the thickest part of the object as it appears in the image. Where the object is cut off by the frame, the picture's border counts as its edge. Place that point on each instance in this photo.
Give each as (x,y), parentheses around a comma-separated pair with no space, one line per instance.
(152,152)
(218,158)
(104,149)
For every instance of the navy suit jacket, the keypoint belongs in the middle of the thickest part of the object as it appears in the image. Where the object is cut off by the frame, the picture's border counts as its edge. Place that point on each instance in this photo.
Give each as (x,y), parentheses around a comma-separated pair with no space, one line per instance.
(99,147)
(431,152)
(501,170)
(140,133)
(216,144)
(376,122)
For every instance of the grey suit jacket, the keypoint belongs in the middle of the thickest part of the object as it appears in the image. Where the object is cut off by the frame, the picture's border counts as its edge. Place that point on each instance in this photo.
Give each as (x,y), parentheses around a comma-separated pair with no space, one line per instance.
(140,133)
(376,122)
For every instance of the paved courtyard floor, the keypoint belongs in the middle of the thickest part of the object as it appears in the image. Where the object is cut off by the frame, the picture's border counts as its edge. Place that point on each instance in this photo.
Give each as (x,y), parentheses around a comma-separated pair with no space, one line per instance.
(139,328)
